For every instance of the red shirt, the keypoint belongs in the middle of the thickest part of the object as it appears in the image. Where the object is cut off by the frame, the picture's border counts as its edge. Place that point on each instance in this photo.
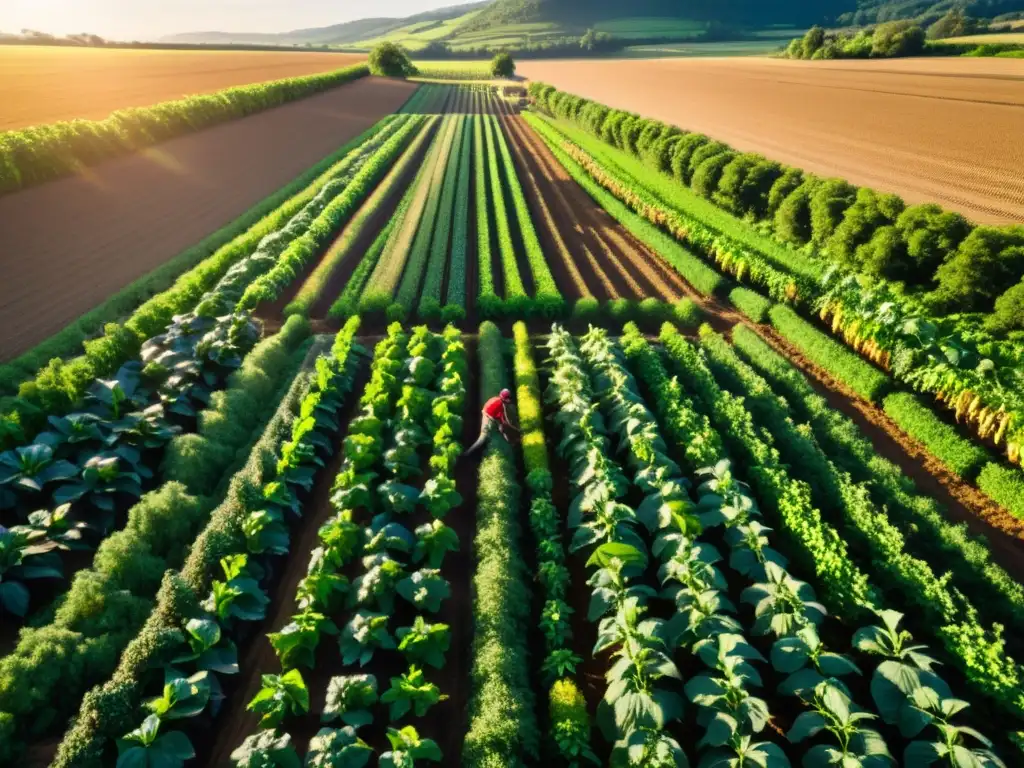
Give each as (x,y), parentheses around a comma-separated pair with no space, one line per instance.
(495,408)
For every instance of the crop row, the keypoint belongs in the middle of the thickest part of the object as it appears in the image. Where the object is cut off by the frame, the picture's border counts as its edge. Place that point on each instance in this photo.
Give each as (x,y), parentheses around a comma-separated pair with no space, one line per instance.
(38,153)
(417,380)
(174,669)
(940,360)
(904,689)
(380,294)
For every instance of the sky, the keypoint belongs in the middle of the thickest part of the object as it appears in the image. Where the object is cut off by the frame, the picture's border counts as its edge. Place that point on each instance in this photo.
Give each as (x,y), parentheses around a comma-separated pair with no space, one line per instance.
(152,19)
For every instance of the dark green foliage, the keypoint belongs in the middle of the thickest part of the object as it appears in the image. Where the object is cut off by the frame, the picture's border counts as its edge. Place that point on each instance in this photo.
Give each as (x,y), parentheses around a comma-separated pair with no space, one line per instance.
(793,217)
(390,60)
(503,66)
(706,177)
(1008,314)
(896,39)
(784,186)
(870,211)
(829,203)
(962,456)
(987,261)
(930,235)
(38,153)
(1005,485)
(683,153)
(746,183)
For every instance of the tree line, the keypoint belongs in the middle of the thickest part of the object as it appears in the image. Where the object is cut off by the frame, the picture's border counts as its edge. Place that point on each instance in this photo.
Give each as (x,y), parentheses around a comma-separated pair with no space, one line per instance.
(954,265)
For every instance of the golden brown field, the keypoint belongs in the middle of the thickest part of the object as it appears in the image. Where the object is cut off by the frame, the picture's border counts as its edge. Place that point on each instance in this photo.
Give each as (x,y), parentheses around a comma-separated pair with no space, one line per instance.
(42,85)
(942,130)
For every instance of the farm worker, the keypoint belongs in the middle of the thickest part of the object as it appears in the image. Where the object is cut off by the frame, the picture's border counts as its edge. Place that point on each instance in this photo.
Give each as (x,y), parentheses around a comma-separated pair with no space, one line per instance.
(495,416)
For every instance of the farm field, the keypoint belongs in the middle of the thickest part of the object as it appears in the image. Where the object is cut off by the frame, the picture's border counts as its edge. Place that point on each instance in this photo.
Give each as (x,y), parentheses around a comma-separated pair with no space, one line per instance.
(938,130)
(43,85)
(130,215)
(731,526)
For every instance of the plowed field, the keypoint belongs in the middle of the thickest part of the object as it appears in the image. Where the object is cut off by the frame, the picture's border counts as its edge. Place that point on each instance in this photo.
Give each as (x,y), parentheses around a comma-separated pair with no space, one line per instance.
(942,130)
(68,245)
(43,85)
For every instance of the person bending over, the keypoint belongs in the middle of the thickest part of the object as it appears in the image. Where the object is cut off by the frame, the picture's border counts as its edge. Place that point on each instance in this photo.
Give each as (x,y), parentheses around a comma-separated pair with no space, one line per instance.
(495,417)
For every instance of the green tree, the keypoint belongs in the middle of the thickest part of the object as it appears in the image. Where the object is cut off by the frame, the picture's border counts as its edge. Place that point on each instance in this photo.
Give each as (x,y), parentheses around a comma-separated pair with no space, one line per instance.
(793,219)
(954,24)
(783,188)
(706,177)
(391,60)
(897,38)
(813,40)
(987,261)
(1009,311)
(829,204)
(931,236)
(502,65)
(869,212)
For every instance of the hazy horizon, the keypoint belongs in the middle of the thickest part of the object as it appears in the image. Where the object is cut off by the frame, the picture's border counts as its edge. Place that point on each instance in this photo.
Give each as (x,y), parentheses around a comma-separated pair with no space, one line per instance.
(131,20)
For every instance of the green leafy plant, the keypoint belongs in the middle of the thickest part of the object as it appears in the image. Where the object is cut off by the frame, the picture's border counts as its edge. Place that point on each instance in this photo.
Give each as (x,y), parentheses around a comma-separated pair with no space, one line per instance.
(239,596)
(424,643)
(855,744)
(182,696)
(425,589)
(266,749)
(323,589)
(434,540)
(18,563)
(146,748)
(349,699)
(407,747)
(411,692)
(806,662)
(364,634)
(376,588)
(782,604)
(280,696)
(337,748)
(208,649)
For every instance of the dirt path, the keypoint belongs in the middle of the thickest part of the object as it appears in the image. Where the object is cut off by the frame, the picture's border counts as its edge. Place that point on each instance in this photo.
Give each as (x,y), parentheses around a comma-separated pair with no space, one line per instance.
(68,245)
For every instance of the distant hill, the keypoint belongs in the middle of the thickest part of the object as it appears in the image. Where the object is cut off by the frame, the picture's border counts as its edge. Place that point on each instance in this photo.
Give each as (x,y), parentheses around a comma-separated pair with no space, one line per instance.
(521,23)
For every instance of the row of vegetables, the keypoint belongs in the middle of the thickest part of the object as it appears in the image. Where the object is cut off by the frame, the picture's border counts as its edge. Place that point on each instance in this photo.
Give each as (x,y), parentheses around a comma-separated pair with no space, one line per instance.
(91,466)
(964,368)
(410,404)
(642,701)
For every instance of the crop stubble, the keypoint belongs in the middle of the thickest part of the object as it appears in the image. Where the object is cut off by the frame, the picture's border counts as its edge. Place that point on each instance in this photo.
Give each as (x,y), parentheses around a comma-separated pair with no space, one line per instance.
(42,84)
(68,245)
(941,130)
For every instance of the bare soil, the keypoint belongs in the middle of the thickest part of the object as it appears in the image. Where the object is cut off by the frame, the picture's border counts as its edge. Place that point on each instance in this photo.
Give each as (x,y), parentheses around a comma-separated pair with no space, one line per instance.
(68,245)
(932,130)
(44,84)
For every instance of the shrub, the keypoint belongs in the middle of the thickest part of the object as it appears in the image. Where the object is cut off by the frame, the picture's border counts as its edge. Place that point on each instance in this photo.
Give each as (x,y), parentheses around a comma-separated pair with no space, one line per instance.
(1008,314)
(391,60)
(931,235)
(988,260)
(829,203)
(793,218)
(870,211)
(1005,486)
(586,310)
(963,457)
(784,186)
(502,65)
(706,177)
(750,303)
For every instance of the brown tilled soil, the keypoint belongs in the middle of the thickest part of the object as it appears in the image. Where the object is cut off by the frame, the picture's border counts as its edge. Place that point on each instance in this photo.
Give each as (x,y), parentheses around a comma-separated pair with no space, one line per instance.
(68,245)
(941,130)
(40,84)
(614,263)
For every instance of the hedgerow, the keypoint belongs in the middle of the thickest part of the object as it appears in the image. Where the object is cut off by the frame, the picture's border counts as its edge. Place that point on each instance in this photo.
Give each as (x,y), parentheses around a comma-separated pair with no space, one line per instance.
(858,375)
(753,305)
(1005,485)
(38,153)
(919,421)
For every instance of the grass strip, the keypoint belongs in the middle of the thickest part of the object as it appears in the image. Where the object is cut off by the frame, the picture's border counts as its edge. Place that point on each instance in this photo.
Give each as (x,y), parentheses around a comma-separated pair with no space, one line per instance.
(1005,485)
(503,726)
(846,366)
(455,301)
(750,303)
(515,292)
(964,458)
(488,301)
